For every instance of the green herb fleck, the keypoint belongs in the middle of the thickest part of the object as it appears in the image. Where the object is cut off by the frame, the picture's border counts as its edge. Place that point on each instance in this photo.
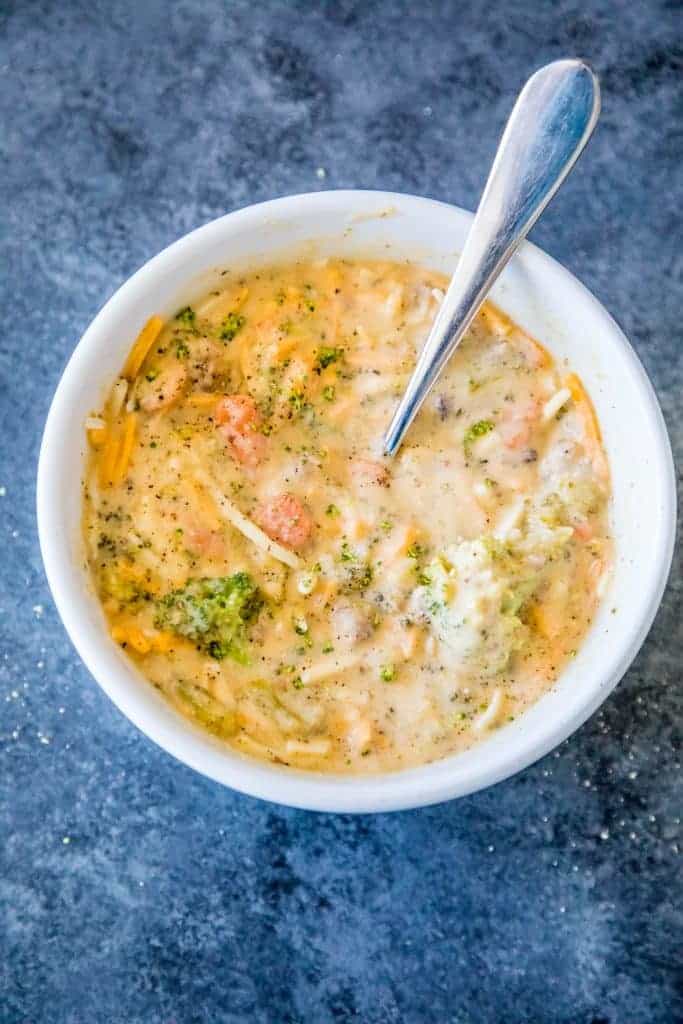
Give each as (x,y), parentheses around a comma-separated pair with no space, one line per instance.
(331,510)
(327,356)
(297,400)
(347,554)
(187,316)
(387,673)
(478,429)
(233,323)
(329,393)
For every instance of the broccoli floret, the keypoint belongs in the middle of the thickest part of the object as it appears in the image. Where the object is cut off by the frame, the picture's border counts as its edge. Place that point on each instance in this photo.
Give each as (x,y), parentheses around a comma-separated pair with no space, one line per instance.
(187,316)
(121,585)
(233,323)
(214,613)
(327,356)
(478,429)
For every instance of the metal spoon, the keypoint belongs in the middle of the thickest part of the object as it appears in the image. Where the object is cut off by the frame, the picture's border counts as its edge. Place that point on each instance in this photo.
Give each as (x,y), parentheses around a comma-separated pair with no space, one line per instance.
(550,124)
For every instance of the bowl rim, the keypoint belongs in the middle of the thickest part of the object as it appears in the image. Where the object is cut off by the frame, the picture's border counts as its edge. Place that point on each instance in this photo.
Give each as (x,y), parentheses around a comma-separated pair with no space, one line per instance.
(387,791)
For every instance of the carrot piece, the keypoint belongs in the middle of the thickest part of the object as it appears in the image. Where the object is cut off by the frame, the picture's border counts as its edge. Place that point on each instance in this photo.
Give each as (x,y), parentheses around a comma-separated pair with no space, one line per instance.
(144,341)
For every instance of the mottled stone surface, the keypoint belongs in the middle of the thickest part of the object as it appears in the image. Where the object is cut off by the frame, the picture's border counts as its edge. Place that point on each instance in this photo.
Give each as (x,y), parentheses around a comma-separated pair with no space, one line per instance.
(131,889)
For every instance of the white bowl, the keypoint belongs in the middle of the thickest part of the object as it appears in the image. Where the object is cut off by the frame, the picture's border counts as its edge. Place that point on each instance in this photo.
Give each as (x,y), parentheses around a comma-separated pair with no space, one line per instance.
(544,299)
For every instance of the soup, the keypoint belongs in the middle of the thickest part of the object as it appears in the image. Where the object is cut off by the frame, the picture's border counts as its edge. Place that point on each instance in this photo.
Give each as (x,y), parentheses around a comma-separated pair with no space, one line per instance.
(294,593)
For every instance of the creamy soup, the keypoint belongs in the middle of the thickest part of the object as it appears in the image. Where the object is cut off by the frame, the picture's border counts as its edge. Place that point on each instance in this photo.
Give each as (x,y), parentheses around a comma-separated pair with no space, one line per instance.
(290,590)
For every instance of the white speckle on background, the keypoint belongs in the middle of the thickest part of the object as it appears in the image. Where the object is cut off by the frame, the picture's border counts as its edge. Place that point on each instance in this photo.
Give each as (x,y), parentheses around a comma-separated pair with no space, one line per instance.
(320,172)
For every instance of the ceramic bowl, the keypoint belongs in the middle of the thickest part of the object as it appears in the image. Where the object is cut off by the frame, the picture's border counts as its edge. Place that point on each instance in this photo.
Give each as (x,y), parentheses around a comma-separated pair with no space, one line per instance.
(546,300)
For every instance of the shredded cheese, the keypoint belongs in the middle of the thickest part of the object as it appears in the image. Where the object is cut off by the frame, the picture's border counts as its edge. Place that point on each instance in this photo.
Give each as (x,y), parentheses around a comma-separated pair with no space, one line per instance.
(117,398)
(330,667)
(313,748)
(554,404)
(108,460)
(492,713)
(127,441)
(245,526)
(145,340)
(580,396)
(97,436)
(95,423)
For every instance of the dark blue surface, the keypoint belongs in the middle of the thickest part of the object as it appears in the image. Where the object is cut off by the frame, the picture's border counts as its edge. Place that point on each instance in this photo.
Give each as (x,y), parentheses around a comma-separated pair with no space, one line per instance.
(131,889)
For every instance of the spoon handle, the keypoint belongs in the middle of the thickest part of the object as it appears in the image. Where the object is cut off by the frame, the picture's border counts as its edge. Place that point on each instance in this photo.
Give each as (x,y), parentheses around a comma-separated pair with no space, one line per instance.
(550,124)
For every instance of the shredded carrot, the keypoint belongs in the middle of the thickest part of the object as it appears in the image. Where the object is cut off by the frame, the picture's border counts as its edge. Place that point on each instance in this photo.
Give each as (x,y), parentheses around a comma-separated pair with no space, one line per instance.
(145,340)
(127,441)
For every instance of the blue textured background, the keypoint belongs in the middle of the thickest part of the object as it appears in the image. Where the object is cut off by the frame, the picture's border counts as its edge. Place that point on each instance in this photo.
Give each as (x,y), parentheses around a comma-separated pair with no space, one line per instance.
(131,889)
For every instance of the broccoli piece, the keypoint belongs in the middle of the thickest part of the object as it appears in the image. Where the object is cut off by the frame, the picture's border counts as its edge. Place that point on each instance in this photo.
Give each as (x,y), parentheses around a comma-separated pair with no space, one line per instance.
(120,584)
(186,316)
(327,356)
(214,613)
(357,576)
(233,323)
(478,429)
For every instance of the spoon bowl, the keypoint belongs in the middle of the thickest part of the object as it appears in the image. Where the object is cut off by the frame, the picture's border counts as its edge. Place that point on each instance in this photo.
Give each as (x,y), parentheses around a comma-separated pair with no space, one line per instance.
(548,129)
